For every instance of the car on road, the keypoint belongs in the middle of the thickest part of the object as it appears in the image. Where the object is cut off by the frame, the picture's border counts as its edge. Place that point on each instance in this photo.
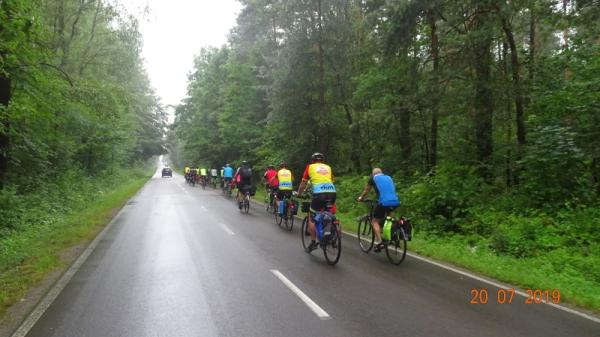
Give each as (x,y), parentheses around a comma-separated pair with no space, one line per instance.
(167,172)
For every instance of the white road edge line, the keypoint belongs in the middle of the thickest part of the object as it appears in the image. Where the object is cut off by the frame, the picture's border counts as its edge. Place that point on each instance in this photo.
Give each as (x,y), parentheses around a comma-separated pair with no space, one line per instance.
(495,284)
(322,314)
(226,229)
(45,303)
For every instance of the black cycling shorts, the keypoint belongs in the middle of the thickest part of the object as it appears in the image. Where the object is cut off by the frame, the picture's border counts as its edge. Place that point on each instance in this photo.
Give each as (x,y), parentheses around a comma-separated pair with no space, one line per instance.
(244,188)
(380,211)
(319,201)
(285,193)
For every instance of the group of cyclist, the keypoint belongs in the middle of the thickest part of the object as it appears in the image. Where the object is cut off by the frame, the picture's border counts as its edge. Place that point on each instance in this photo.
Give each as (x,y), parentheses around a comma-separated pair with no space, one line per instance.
(199,175)
(279,185)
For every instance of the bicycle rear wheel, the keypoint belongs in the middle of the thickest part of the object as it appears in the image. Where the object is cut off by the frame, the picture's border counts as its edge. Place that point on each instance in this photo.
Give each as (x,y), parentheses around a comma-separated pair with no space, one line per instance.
(268,204)
(289,219)
(365,234)
(333,247)
(396,248)
(246,205)
(303,231)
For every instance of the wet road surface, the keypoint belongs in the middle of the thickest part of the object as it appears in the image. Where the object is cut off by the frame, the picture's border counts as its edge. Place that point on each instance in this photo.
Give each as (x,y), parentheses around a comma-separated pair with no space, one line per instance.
(182,261)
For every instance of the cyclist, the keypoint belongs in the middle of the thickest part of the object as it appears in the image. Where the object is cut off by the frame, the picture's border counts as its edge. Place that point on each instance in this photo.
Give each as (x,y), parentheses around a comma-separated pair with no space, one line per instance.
(203,178)
(285,185)
(193,174)
(271,183)
(214,175)
(186,173)
(387,201)
(227,175)
(243,180)
(320,176)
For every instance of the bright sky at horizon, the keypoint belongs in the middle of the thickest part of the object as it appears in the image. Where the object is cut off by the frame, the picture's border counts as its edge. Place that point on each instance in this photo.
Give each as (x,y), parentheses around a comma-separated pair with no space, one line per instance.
(174,31)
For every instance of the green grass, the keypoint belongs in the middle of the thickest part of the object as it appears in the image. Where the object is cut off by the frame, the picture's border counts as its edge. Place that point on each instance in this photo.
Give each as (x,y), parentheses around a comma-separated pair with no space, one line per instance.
(30,254)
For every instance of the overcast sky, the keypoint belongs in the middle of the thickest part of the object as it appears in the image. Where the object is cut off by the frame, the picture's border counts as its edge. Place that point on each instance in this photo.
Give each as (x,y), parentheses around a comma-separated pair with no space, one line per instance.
(174,31)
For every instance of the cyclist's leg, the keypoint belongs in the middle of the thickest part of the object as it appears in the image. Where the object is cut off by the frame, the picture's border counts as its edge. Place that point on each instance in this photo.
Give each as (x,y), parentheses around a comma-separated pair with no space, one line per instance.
(378,216)
(317,204)
(277,197)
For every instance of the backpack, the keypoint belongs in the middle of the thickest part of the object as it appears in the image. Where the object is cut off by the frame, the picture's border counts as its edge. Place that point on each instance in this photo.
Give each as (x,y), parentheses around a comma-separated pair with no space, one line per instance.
(245,173)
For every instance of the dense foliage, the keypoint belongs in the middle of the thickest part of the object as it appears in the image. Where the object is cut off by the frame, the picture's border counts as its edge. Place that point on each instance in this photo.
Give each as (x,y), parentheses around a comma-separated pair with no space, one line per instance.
(486,112)
(75,103)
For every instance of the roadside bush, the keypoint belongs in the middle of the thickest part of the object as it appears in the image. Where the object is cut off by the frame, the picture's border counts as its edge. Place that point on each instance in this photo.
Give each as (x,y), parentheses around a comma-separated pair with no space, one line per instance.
(554,171)
(441,203)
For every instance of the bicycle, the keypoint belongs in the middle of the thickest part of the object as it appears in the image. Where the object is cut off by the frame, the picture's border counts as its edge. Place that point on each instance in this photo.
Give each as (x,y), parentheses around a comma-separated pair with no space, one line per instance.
(329,232)
(288,213)
(395,247)
(203,182)
(227,189)
(246,202)
(269,201)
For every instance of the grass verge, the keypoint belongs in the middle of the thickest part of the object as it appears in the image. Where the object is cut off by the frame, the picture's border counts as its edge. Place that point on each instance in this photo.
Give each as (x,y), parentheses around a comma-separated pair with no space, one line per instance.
(45,245)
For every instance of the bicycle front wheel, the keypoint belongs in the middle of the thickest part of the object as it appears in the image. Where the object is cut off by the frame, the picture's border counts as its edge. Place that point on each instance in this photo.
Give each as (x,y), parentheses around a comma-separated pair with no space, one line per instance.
(304,233)
(333,248)
(366,238)
(396,248)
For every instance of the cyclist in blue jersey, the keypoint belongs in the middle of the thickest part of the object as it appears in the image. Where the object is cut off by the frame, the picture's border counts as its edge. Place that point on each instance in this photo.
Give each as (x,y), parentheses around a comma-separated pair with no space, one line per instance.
(227,174)
(387,201)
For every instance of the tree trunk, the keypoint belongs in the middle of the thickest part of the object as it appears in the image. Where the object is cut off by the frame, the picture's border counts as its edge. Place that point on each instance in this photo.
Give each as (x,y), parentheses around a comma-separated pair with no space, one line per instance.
(355,136)
(532,46)
(435,89)
(404,136)
(596,174)
(516,77)
(483,103)
(324,129)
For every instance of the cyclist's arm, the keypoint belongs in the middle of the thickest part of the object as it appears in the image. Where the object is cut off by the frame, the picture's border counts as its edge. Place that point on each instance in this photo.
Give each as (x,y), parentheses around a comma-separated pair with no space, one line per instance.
(305,179)
(302,187)
(365,192)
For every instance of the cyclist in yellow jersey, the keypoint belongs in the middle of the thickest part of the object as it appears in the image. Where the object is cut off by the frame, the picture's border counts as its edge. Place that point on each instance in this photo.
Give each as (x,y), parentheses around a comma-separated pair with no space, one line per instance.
(203,175)
(285,183)
(186,173)
(320,176)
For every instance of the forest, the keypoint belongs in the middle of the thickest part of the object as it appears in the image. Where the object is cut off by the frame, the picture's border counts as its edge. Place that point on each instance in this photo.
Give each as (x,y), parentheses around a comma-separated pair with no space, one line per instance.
(78,121)
(486,113)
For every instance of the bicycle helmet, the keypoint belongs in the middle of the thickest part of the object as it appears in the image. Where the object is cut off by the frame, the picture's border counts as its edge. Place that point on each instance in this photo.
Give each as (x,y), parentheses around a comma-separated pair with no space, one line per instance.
(317,156)
(270,166)
(283,165)
(244,163)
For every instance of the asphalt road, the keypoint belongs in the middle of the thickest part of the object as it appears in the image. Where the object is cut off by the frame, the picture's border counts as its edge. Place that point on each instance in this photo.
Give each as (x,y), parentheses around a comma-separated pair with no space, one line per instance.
(182,261)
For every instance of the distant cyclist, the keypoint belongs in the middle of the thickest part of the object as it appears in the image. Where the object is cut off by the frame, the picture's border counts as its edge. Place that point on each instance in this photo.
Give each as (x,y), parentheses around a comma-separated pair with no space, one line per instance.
(186,173)
(227,174)
(285,184)
(243,180)
(203,175)
(214,176)
(320,176)
(271,183)
(387,201)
